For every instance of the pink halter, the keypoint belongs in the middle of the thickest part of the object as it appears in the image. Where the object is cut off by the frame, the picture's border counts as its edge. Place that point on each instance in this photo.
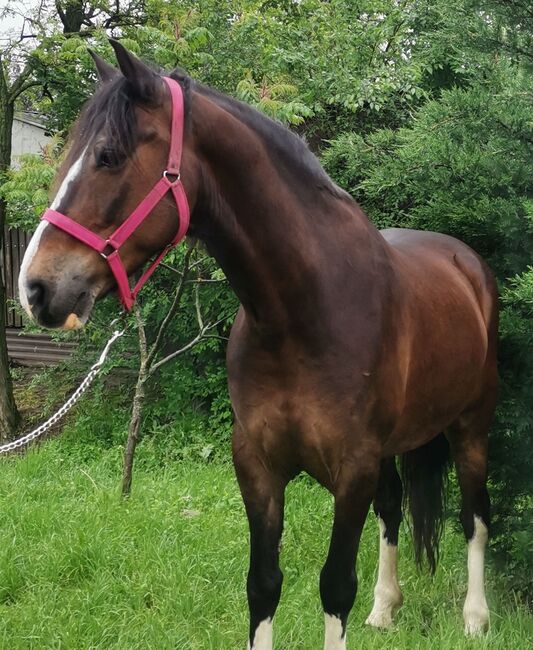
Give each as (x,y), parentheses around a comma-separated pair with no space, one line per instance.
(116,239)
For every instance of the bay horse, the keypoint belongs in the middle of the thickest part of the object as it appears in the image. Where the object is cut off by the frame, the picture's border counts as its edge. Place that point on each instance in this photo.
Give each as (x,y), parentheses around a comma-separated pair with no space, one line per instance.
(351,347)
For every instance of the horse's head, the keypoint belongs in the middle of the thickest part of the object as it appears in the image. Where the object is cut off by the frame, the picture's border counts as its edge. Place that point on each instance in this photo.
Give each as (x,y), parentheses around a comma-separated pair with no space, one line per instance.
(119,150)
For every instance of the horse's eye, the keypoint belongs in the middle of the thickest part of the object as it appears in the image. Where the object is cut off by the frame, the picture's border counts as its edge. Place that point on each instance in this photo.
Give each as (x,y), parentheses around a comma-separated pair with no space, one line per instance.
(106,158)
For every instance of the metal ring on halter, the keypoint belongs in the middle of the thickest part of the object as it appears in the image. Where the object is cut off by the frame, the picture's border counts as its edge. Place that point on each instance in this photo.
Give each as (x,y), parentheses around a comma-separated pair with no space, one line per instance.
(166,174)
(108,245)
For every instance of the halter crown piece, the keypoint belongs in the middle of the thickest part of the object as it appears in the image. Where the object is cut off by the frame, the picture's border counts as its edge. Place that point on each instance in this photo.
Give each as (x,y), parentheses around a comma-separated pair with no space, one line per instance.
(170,180)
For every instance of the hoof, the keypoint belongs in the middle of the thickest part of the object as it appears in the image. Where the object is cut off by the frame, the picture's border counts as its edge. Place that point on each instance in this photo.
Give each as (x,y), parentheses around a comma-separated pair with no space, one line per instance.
(386,604)
(380,620)
(476,621)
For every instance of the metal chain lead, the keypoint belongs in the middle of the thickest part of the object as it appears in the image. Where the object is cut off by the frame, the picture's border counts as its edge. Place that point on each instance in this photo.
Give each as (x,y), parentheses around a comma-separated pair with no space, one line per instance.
(56,417)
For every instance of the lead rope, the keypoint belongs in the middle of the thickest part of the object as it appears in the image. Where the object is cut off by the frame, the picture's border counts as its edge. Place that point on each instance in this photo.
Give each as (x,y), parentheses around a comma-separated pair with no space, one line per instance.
(60,413)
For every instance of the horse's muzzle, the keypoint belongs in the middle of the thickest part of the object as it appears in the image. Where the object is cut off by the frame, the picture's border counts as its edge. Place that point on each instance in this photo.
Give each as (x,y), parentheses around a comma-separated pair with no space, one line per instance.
(55,307)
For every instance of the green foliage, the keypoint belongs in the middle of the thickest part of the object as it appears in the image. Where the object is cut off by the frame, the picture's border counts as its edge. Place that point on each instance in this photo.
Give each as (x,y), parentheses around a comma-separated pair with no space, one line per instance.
(26,188)
(463,166)
(276,100)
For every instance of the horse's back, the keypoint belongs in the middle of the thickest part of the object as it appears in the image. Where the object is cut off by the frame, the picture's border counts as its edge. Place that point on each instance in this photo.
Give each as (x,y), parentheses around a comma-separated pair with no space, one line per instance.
(449,260)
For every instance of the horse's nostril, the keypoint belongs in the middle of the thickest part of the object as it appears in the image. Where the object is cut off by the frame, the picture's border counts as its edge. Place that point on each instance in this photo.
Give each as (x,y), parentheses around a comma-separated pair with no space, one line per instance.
(37,293)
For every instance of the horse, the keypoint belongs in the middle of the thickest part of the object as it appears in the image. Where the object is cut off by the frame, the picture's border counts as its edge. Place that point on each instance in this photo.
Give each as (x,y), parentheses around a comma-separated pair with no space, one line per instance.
(352,347)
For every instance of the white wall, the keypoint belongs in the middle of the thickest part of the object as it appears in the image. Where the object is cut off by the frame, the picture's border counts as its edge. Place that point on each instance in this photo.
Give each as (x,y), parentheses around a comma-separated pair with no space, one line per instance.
(27,138)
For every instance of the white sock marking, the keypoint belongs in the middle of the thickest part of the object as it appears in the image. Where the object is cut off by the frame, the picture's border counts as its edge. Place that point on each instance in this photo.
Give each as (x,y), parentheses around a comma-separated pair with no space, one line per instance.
(263,636)
(387,595)
(31,251)
(475,610)
(334,640)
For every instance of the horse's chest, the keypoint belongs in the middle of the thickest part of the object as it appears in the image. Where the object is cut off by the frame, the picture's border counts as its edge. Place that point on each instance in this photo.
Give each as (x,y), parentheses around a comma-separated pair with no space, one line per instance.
(297,425)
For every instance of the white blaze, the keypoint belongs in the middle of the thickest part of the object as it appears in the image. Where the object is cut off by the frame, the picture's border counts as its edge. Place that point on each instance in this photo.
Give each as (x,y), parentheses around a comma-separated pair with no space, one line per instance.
(334,639)
(26,262)
(31,251)
(387,595)
(263,636)
(69,178)
(475,610)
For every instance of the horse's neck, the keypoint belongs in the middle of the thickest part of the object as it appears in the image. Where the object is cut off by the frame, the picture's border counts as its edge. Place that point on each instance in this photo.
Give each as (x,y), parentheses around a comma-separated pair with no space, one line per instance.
(284,247)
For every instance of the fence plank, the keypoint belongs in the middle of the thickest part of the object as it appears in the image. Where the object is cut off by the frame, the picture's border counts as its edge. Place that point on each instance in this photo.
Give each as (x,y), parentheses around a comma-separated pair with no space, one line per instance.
(8,274)
(15,243)
(17,261)
(24,239)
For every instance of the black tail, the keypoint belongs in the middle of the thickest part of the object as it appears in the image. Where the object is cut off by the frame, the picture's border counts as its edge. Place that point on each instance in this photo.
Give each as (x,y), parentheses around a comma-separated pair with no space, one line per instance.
(424,475)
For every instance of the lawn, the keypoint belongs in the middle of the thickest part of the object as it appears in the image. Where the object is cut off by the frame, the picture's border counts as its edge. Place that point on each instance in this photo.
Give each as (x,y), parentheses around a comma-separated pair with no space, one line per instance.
(81,569)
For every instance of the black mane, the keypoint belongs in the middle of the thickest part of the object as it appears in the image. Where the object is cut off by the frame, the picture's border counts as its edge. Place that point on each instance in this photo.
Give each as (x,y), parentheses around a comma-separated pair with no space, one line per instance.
(288,151)
(112,109)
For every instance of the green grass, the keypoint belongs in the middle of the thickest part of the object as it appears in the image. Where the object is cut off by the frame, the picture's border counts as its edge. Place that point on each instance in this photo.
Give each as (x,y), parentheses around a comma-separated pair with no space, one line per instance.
(81,569)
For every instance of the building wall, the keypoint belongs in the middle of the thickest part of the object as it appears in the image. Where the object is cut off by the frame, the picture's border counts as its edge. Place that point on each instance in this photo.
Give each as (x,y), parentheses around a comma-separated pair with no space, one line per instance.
(27,138)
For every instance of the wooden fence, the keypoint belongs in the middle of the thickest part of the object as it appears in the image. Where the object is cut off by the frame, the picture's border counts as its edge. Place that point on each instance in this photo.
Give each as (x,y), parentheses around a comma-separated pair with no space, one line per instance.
(24,348)
(15,244)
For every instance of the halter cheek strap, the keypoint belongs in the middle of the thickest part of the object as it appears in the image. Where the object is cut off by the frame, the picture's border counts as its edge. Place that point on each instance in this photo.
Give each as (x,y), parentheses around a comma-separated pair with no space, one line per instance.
(170,181)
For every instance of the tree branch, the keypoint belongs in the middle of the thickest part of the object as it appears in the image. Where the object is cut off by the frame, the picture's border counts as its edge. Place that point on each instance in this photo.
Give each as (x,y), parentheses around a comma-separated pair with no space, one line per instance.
(198,310)
(199,337)
(134,429)
(191,267)
(21,84)
(60,11)
(173,308)
(25,87)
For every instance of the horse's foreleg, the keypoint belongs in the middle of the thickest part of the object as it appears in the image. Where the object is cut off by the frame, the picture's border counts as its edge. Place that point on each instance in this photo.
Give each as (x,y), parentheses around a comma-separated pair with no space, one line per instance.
(468,442)
(388,507)
(353,493)
(263,495)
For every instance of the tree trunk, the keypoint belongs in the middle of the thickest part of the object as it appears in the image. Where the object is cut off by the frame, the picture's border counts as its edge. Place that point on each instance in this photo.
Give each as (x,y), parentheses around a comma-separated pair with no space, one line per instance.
(133,434)
(72,14)
(8,410)
(134,429)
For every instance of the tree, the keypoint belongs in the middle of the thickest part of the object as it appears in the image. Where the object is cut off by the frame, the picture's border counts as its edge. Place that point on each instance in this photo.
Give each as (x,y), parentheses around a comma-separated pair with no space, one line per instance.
(10,91)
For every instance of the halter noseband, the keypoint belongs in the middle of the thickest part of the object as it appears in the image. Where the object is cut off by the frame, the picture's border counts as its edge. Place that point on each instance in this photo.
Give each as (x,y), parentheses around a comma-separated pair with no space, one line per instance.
(169,181)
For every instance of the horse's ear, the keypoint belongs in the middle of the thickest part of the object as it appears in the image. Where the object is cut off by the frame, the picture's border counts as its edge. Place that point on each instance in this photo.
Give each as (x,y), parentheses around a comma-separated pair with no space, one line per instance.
(106,71)
(143,80)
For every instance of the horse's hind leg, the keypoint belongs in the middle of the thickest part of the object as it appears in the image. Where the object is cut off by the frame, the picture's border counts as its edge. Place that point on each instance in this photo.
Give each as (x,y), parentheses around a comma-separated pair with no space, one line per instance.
(263,495)
(388,507)
(468,441)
